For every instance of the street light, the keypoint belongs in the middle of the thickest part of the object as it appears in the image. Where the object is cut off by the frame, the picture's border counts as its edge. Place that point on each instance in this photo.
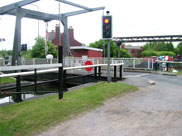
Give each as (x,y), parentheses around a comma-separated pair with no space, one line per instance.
(38,19)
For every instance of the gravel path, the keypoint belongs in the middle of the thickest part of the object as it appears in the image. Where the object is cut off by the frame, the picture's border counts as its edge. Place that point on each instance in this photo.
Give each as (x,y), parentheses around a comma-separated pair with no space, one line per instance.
(152,111)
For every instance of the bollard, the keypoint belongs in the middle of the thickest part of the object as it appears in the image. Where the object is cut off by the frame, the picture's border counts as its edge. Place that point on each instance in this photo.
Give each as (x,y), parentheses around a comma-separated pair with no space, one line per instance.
(95,72)
(99,72)
(115,73)
(35,80)
(120,72)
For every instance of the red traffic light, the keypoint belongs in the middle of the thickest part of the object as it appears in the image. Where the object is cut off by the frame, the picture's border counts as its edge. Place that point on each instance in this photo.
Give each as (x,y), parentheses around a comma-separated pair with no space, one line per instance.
(106,20)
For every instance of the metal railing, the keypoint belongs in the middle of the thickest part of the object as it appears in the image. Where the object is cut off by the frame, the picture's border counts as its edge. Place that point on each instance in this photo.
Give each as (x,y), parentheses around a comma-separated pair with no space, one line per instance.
(133,63)
(2,62)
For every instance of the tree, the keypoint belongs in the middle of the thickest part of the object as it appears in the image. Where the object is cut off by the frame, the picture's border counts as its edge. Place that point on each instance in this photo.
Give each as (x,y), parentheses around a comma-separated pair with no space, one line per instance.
(5,53)
(149,53)
(27,54)
(178,49)
(159,46)
(170,47)
(166,53)
(38,50)
(124,54)
(101,44)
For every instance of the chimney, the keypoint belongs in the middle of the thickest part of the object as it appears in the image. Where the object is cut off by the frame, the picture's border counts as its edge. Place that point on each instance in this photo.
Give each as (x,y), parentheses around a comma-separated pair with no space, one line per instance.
(123,46)
(71,32)
(57,31)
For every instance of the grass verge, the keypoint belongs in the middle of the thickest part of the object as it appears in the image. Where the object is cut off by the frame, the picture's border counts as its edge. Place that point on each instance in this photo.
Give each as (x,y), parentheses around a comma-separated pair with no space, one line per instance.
(33,116)
(179,72)
(7,80)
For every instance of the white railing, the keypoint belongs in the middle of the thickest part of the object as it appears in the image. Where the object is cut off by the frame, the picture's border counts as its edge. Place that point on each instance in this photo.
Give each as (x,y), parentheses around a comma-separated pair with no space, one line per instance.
(2,62)
(134,63)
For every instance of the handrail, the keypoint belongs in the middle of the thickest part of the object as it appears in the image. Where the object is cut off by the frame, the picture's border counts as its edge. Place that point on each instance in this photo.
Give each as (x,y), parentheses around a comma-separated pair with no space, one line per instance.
(54,70)
(29,67)
(169,62)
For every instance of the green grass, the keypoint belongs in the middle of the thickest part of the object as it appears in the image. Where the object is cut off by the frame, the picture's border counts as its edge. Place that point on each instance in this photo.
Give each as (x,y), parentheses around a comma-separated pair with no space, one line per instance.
(33,116)
(179,72)
(7,80)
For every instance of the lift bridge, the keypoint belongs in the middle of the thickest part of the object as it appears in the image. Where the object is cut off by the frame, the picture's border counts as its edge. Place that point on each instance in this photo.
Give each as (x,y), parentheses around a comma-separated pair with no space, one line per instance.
(51,73)
(16,9)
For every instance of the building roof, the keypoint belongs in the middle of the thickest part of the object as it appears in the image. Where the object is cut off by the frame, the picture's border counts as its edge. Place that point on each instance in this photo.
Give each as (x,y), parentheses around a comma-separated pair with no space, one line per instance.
(86,48)
(54,37)
(132,47)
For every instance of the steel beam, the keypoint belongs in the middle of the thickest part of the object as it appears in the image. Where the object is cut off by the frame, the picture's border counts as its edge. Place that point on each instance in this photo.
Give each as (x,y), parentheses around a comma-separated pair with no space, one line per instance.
(163,38)
(66,47)
(81,11)
(13,6)
(36,15)
(74,4)
(16,57)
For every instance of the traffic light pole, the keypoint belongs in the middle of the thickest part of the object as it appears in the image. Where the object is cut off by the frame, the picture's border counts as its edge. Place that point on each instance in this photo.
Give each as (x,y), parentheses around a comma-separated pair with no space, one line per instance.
(108,61)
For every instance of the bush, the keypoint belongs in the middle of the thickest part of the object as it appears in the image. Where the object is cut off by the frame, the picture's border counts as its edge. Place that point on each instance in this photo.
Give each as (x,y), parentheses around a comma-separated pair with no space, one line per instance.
(124,54)
(149,53)
(38,50)
(166,53)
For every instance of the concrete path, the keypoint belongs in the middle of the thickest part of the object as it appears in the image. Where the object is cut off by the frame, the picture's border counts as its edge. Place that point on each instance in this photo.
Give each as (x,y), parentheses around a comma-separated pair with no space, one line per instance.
(154,110)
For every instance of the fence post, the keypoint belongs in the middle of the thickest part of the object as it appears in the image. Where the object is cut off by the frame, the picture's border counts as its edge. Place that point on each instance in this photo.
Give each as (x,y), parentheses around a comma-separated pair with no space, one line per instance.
(60,74)
(95,72)
(99,72)
(133,63)
(33,61)
(115,73)
(18,89)
(120,71)
(152,64)
(156,67)
(35,80)
(148,63)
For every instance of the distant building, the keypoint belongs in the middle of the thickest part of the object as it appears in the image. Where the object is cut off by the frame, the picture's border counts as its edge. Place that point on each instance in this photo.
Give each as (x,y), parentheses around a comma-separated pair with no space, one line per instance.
(135,51)
(76,47)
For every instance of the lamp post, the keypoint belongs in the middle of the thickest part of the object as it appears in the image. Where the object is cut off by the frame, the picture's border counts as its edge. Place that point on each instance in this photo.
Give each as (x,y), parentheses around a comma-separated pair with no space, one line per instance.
(38,19)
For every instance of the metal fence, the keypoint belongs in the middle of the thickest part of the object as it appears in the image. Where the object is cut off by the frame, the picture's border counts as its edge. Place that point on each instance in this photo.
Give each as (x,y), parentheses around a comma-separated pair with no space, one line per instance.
(134,63)
(2,62)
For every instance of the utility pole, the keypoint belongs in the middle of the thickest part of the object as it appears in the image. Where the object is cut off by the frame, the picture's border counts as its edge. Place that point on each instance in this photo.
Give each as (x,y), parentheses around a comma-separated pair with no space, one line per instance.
(108,61)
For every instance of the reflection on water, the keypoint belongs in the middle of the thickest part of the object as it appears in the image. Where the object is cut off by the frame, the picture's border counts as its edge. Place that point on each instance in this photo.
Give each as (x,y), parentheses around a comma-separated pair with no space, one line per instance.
(9,98)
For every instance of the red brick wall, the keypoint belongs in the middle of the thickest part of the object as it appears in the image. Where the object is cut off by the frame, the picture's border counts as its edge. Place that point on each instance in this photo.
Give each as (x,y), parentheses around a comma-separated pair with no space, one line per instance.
(79,53)
(92,53)
(89,53)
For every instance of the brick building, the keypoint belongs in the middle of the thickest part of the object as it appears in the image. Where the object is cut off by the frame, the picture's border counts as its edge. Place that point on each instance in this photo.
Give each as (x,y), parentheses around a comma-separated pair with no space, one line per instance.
(77,49)
(135,51)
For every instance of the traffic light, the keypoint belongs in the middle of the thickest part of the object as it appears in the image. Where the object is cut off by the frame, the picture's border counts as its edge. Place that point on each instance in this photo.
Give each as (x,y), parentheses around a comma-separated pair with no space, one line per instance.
(2,40)
(107,26)
(24,47)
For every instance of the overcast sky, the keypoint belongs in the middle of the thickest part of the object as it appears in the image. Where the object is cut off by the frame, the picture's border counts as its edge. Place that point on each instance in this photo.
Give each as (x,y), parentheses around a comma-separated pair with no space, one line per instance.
(130,18)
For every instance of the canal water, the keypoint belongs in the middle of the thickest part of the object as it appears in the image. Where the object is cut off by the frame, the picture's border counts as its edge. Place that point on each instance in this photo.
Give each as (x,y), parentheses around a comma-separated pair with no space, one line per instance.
(9,98)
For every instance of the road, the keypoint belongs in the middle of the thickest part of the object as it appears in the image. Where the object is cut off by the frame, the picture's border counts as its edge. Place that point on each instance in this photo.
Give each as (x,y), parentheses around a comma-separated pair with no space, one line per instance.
(154,110)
